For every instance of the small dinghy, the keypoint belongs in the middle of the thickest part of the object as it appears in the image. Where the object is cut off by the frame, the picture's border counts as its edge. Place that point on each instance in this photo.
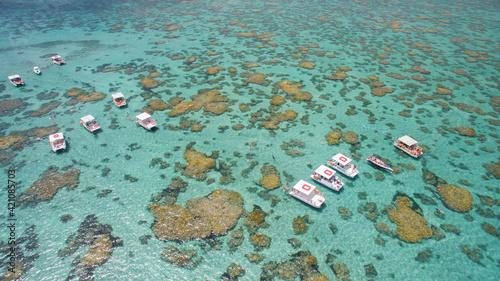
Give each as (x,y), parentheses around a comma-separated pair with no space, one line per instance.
(16,80)
(57,59)
(36,69)
(379,163)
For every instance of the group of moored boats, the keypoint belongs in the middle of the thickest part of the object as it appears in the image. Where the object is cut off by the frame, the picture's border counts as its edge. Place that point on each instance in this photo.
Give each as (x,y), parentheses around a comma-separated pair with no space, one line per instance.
(57,141)
(16,79)
(324,175)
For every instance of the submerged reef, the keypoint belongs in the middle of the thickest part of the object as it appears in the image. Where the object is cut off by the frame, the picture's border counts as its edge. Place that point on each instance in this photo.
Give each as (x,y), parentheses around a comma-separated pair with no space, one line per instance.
(181,257)
(102,244)
(198,164)
(270,177)
(210,101)
(455,198)
(412,226)
(302,265)
(45,188)
(212,215)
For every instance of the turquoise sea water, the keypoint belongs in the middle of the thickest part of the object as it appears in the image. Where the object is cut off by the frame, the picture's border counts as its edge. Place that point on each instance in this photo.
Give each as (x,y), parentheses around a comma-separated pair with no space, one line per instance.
(372,38)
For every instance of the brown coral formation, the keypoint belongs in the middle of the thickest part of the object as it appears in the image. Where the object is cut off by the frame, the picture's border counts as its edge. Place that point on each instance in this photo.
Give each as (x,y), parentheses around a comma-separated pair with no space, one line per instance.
(214,214)
(337,75)
(150,83)
(455,198)
(206,99)
(45,188)
(277,100)
(270,177)
(255,78)
(443,91)
(307,64)
(9,141)
(334,136)
(466,131)
(412,227)
(213,70)
(293,90)
(350,137)
(8,107)
(198,164)
(158,105)
(91,97)
(98,253)
(274,119)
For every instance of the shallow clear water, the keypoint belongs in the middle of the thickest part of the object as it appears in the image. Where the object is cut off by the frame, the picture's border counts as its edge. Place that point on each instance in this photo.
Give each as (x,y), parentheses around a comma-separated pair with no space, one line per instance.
(379,38)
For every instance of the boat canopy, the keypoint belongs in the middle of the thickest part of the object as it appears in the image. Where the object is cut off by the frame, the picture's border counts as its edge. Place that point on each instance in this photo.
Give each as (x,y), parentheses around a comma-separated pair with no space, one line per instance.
(15,76)
(87,119)
(341,158)
(56,57)
(56,137)
(304,187)
(325,171)
(143,116)
(117,95)
(407,140)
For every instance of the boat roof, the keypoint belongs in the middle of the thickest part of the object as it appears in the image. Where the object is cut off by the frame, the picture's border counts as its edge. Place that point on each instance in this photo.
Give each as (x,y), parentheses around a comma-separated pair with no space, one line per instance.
(56,136)
(143,116)
(87,118)
(325,171)
(55,57)
(304,187)
(341,158)
(407,140)
(117,95)
(14,76)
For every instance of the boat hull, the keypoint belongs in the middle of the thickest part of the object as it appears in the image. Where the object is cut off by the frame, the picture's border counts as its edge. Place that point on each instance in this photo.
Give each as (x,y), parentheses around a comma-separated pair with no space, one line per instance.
(308,202)
(336,187)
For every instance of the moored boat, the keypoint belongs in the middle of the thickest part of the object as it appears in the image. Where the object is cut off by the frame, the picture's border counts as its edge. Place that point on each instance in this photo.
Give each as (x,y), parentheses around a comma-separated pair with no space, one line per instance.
(343,164)
(119,99)
(16,80)
(379,163)
(409,146)
(327,177)
(89,123)
(57,141)
(57,60)
(36,69)
(145,120)
(307,193)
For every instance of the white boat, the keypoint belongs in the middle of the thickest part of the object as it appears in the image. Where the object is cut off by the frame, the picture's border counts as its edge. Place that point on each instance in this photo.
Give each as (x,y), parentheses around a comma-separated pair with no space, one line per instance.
(342,164)
(90,123)
(409,146)
(379,163)
(16,80)
(36,69)
(145,120)
(119,99)
(308,193)
(57,60)
(57,141)
(327,177)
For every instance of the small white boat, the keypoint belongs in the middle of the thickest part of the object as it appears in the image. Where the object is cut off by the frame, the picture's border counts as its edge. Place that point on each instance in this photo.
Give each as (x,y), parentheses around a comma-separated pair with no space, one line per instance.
(57,141)
(16,80)
(145,120)
(327,177)
(379,163)
(119,99)
(36,69)
(342,164)
(57,60)
(89,123)
(308,193)
(409,146)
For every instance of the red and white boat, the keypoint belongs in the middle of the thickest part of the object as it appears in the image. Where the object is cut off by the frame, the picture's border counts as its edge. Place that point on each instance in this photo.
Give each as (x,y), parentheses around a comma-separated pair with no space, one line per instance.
(89,123)
(409,146)
(16,80)
(343,164)
(307,193)
(57,60)
(119,99)
(327,177)
(57,141)
(145,120)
